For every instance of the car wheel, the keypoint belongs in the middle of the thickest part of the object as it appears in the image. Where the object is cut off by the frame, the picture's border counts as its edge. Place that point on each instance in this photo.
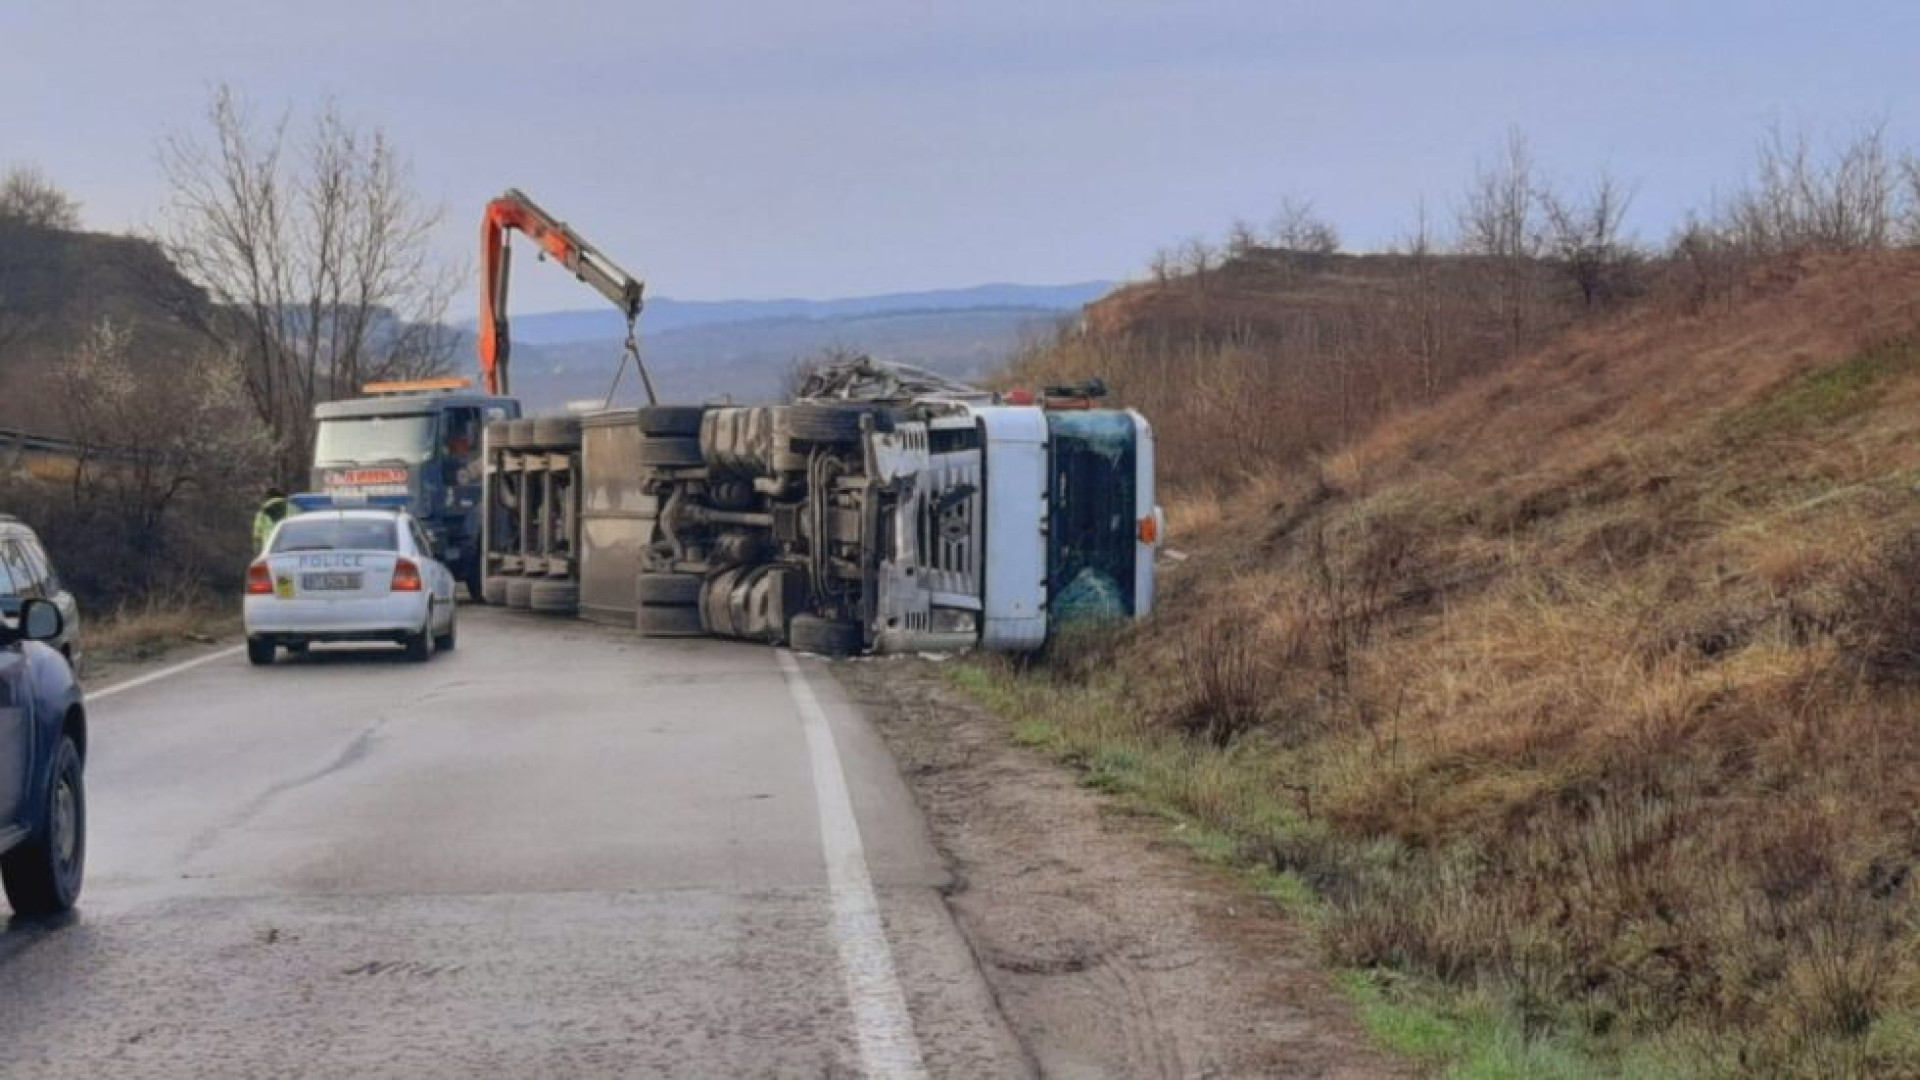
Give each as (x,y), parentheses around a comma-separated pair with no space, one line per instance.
(43,875)
(420,645)
(669,622)
(826,637)
(259,652)
(446,642)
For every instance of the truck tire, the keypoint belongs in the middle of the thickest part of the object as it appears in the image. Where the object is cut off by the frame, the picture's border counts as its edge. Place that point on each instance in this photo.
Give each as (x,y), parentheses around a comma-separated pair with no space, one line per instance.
(519,593)
(557,432)
(670,453)
(668,590)
(519,434)
(678,421)
(495,589)
(822,423)
(824,637)
(555,597)
(669,622)
(43,876)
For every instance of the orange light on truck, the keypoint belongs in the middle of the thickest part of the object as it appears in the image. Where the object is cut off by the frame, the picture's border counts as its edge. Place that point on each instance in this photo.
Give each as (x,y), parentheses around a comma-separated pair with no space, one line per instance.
(408,386)
(1150,529)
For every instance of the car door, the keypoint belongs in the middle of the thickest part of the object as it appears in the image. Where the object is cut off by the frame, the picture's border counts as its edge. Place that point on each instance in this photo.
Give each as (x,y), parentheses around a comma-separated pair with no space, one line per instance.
(15,751)
(439,578)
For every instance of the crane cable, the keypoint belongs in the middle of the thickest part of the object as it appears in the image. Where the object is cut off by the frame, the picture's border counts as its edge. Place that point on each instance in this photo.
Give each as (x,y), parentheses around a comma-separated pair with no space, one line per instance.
(632,349)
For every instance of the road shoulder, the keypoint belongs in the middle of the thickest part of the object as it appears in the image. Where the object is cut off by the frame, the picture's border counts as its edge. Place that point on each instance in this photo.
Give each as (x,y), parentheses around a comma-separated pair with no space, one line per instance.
(1111,950)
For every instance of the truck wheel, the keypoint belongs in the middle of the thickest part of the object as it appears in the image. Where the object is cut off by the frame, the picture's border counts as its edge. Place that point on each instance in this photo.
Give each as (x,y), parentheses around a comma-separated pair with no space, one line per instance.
(821,423)
(259,652)
(668,590)
(557,432)
(43,875)
(519,593)
(495,589)
(555,597)
(671,453)
(681,421)
(669,622)
(826,637)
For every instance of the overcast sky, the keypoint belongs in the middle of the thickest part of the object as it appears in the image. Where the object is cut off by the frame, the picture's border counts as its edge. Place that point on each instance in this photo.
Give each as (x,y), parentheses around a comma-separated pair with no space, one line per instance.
(835,147)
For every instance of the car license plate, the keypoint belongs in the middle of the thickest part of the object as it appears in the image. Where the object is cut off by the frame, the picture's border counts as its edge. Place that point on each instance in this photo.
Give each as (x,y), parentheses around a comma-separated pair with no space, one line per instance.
(329,582)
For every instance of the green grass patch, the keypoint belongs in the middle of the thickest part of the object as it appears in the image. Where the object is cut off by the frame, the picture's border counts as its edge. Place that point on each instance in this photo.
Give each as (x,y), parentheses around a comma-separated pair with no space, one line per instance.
(1829,395)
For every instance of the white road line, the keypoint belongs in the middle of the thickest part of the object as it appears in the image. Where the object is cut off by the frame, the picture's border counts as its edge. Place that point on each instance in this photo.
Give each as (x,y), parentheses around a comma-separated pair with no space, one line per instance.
(881,1024)
(163,673)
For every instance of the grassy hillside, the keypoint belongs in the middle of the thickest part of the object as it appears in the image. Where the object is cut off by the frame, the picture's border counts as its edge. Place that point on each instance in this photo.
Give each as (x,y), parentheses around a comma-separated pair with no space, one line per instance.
(1580,708)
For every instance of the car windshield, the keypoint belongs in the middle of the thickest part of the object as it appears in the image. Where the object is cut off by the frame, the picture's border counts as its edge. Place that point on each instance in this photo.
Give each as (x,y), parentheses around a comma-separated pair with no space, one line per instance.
(336,534)
(367,439)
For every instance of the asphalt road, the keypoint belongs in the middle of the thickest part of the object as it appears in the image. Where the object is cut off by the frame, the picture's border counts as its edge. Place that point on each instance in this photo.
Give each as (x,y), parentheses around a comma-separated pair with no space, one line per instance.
(557,851)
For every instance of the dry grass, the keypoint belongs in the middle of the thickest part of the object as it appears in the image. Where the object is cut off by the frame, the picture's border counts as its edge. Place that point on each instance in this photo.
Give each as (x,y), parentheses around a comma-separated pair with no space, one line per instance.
(158,623)
(1597,683)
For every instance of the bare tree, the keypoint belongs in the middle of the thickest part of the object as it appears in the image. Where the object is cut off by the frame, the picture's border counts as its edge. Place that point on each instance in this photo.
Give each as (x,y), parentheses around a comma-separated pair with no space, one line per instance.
(1241,238)
(1423,327)
(1910,203)
(1164,265)
(1584,237)
(1298,228)
(1498,224)
(147,441)
(1198,258)
(29,199)
(1799,202)
(317,250)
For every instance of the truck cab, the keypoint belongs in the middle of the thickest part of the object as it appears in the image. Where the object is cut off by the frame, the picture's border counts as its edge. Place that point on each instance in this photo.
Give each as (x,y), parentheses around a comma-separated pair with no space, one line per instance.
(420,439)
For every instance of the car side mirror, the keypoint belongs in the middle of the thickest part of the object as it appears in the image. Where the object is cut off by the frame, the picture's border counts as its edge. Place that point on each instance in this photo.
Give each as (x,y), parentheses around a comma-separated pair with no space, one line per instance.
(40,620)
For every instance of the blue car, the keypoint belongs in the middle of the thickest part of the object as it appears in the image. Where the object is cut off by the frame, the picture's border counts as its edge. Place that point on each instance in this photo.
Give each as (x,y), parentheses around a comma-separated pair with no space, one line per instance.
(43,747)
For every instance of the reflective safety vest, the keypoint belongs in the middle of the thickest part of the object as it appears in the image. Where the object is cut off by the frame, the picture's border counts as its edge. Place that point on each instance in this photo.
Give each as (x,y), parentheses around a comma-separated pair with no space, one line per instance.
(270,514)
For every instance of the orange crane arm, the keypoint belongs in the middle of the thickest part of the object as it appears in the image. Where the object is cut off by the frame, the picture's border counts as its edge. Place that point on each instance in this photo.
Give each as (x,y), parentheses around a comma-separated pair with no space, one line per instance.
(514,210)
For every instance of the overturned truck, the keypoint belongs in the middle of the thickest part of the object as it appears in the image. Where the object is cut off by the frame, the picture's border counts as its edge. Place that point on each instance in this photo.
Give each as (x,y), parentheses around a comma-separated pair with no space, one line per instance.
(886,509)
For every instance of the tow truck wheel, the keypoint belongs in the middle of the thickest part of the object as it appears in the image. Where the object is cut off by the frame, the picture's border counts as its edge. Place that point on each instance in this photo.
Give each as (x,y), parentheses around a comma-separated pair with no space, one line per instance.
(682,421)
(495,589)
(519,593)
(259,652)
(669,622)
(825,637)
(668,590)
(670,453)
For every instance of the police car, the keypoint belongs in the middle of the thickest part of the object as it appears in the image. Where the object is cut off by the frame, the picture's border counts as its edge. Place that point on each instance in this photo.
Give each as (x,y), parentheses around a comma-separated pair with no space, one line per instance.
(345,569)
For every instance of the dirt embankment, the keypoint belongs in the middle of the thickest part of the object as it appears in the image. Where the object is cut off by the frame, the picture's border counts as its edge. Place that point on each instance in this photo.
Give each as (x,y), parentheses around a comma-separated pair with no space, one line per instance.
(1112,951)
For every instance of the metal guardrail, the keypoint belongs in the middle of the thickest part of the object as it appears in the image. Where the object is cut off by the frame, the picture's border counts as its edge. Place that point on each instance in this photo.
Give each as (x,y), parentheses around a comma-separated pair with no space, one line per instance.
(12,439)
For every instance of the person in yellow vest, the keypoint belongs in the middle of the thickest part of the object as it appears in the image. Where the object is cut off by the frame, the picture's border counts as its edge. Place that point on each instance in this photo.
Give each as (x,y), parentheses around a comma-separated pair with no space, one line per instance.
(271,513)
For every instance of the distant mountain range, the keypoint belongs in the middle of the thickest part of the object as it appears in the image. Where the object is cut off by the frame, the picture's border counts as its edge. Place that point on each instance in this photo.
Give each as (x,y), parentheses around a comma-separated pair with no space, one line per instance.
(664,314)
(744,350)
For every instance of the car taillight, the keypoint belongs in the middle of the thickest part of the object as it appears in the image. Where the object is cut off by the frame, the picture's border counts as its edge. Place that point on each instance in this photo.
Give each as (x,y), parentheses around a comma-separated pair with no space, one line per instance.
(259,580)
(406,576)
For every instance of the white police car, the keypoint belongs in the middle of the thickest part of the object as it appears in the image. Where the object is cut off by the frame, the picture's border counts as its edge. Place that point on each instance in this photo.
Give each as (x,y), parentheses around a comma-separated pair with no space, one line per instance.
(335,571)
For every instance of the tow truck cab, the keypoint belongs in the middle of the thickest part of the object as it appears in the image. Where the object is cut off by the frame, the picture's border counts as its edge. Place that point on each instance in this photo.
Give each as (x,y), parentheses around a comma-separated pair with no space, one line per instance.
(421,440)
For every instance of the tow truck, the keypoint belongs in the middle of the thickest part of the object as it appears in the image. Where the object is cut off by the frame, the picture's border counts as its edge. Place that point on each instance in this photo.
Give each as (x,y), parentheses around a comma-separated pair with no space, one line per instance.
(886,509)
